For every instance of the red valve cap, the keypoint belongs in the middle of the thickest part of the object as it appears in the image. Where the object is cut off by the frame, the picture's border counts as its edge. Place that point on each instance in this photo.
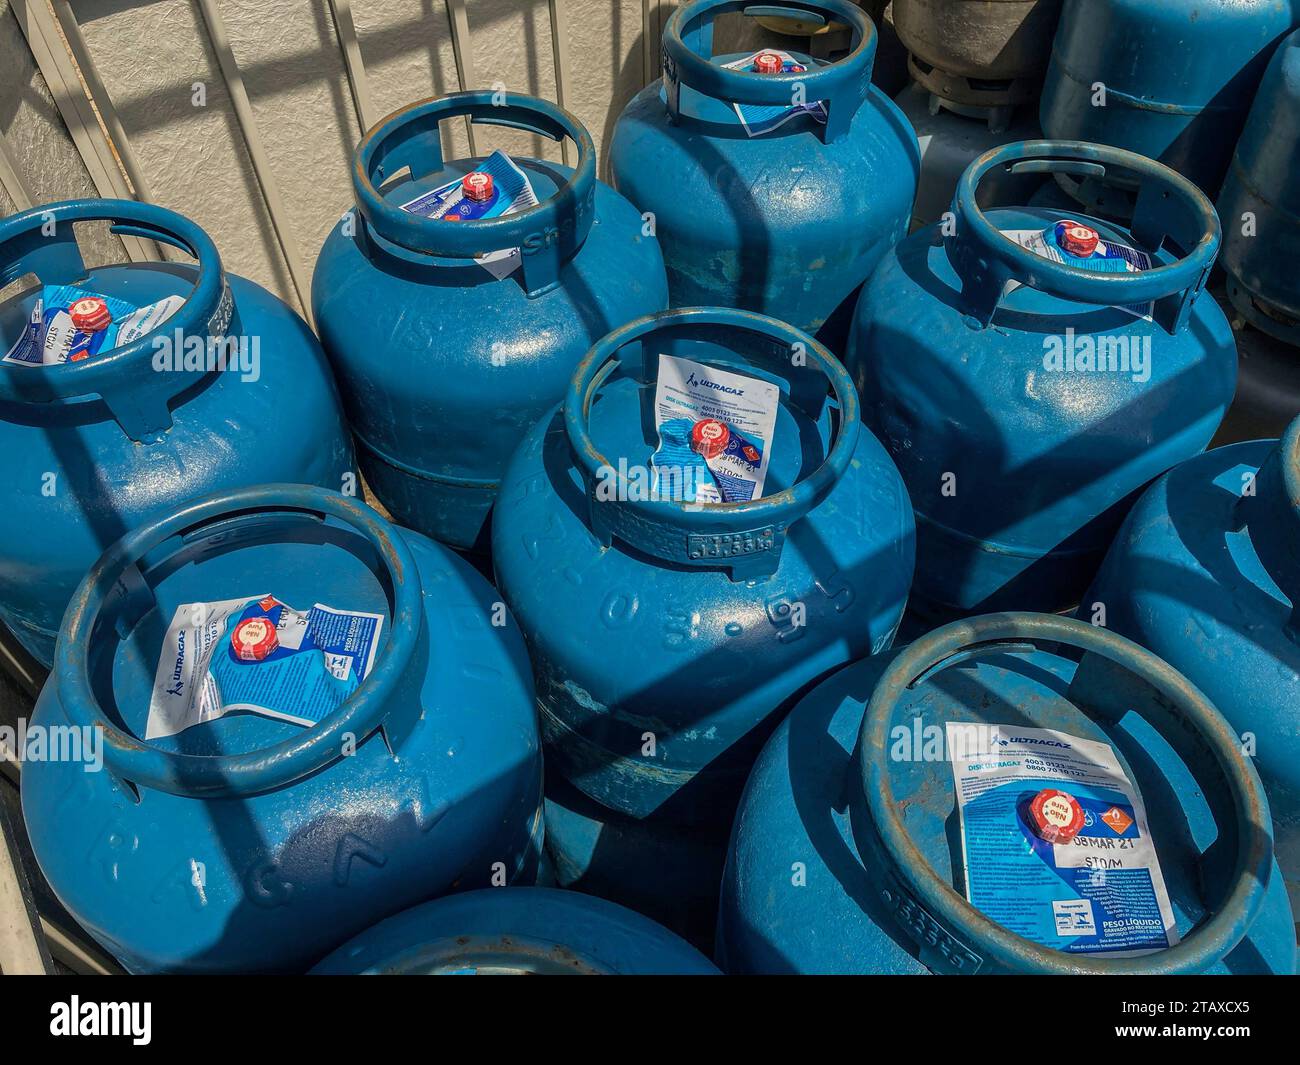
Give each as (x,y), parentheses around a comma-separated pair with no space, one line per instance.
(1077,239)
(90,314)
(1055,815)
(709,437)
(254,639)
(477,186)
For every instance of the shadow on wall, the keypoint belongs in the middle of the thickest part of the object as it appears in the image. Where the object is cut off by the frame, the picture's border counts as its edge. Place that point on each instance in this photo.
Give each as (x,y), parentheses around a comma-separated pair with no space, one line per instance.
(319,60)
(292,67)
(34,134)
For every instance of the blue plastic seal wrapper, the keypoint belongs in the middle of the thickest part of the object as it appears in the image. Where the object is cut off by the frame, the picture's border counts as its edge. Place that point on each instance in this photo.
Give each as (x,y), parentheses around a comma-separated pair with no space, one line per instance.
(763,118)
(68,324)
(258,655)
(508,190)
(714,427)
(1068,242)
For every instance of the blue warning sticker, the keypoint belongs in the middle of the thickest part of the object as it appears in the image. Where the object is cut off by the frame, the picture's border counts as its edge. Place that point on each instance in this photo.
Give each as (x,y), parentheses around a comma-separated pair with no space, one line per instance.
(1055,843)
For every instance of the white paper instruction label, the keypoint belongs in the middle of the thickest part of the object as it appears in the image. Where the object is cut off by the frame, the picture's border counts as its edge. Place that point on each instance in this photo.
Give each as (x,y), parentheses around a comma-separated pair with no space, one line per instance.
(715,432)
(1055,843)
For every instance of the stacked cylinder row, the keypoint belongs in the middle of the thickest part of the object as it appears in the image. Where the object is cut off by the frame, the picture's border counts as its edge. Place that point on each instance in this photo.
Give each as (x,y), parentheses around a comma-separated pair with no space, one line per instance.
(973,431)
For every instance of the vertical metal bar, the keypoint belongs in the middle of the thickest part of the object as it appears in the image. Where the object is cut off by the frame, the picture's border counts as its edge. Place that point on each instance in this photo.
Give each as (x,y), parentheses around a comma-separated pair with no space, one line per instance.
(22,944)
(118,139)
(346,30)
(654,13)
(649,35)
(10,767)
(46,40)
(12,180)
(464,64)
(560,55)
(257,152)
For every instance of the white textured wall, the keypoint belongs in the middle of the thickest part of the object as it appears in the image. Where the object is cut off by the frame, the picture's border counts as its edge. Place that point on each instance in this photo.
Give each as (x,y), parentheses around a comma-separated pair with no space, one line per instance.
(151,53)
(38,141)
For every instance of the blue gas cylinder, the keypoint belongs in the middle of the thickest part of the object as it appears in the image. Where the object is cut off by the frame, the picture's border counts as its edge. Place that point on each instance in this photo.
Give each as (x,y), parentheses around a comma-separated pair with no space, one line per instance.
(665,635)
(443,363)
(1206,573)
(1030,371)
(520,931)
(249,842)
(228,389)
(850,853)
(669,872)
(1168,79)
(1260,203)
(788,219)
